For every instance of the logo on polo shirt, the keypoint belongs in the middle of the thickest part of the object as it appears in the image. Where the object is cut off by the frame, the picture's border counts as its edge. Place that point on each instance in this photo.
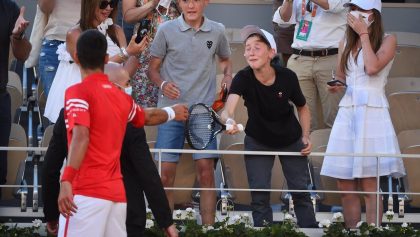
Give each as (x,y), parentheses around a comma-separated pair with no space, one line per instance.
(209,43)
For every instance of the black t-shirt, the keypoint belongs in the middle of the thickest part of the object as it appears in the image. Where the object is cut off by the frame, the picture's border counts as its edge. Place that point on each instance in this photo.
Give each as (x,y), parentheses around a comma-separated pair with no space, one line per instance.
(9,12)
(271,119)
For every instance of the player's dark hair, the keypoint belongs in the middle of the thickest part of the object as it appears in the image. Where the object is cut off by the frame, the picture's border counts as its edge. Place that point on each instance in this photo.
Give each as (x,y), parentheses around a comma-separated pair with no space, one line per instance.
(91,49)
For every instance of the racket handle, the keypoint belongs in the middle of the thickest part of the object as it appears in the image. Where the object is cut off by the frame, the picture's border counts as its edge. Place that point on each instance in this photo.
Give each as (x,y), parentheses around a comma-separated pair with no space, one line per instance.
(230,127)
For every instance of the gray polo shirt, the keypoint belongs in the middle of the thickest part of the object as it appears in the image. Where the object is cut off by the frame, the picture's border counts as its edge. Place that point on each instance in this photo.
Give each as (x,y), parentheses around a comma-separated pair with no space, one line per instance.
(189,59)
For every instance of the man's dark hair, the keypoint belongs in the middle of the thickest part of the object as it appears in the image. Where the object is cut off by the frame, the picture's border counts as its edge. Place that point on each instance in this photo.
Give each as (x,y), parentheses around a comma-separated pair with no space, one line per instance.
(91,49)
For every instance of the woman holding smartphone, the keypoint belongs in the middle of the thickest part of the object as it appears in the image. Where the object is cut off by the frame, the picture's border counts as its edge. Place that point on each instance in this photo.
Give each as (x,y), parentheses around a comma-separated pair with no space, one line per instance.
(95,14)
(156,12)
(363,123)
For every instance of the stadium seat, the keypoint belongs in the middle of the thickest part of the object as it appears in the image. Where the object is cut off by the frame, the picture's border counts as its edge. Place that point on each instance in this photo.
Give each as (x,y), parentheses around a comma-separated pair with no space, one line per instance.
(15,161)
(16,101)
(236,177)
(404,108)
(14,81)
(411,167)
(406,62)
(402,84)
(151,134)
(319,139)
(409,138)
(45,141)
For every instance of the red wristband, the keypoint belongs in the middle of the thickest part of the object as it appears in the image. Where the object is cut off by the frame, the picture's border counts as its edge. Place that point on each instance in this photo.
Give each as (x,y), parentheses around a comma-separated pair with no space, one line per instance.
(69,174)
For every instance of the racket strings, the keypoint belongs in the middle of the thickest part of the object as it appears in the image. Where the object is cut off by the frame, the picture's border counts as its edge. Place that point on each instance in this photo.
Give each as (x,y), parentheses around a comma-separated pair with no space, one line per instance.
(201,127)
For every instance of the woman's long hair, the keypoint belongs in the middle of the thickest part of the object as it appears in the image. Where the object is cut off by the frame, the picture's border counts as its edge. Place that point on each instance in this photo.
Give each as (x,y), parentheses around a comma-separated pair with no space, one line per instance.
(376,34)
(87,15)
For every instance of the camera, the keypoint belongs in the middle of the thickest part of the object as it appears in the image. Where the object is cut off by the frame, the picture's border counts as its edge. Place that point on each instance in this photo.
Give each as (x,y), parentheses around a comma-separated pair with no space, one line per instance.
(142,30)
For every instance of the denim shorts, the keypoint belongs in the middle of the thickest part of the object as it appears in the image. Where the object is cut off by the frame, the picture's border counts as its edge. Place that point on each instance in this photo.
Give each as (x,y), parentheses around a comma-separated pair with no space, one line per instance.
(171,135)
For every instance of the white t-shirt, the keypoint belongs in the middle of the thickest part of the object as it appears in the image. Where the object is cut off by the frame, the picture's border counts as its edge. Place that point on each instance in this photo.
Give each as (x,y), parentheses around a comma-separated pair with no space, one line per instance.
(328,26)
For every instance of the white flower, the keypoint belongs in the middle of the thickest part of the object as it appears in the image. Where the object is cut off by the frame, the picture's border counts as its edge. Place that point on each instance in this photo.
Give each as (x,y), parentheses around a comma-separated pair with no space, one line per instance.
(324,223)
(389,213)
(236,219)
(287,216)
(149,224)
(338,216)
(404,225)
(207,228)
(372,224)
(148,210)
(359,224)
(245,215)
(37,223)
(189,209)
(386,227)
(178,213)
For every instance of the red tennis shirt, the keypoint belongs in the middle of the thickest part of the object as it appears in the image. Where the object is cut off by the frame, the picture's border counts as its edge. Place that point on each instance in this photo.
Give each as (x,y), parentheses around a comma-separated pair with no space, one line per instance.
(98,105)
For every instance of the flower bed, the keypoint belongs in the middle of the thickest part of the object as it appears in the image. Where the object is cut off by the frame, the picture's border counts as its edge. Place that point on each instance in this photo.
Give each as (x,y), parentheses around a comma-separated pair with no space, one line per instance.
(241,226)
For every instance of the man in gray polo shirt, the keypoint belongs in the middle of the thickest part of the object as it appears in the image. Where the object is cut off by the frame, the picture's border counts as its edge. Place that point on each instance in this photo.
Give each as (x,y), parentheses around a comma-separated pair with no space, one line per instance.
(183,65)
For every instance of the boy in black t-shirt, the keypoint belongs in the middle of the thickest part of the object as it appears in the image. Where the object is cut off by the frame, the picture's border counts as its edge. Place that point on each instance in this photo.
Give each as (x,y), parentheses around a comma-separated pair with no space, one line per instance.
(272,125)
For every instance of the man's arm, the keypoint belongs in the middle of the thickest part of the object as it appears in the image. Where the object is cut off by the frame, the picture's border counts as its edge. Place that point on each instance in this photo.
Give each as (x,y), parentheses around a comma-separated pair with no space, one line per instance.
(133,14)
(155,116)
(168,89)
(226,66)
(286,10)
(77,151)
(20,45)
(46,6)
(53,161)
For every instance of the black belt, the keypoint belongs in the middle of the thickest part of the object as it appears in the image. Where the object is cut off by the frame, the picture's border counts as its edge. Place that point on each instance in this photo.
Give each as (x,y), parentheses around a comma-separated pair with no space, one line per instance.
(316,53)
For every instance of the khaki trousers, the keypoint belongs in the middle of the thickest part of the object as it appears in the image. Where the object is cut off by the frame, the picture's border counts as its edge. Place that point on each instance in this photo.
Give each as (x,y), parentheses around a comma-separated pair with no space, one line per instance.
(313,74)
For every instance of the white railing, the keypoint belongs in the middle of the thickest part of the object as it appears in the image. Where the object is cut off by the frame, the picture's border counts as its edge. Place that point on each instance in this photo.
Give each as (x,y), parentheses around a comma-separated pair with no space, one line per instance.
(159,153)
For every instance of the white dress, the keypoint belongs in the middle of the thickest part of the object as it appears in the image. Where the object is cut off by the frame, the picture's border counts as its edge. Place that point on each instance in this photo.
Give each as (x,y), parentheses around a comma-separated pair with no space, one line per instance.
(68,74)
(363,125)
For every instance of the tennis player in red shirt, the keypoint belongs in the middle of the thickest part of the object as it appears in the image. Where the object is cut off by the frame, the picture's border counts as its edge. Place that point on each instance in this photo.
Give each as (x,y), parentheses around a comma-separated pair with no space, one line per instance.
(92,198)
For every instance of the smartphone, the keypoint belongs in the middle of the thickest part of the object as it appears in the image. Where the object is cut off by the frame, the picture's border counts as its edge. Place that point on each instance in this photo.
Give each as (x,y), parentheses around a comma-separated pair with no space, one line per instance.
(336,82)
(142,30)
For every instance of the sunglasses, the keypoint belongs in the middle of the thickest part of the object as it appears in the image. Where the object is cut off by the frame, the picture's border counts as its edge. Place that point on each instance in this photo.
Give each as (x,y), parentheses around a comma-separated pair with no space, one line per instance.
(104,4)
(309,6)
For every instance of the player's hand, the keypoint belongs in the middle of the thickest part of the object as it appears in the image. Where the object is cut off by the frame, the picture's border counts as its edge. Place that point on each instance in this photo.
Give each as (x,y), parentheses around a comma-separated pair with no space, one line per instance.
(171,231)
(181,112)
(307,146)
(66,205)
(52,227)
(21,24)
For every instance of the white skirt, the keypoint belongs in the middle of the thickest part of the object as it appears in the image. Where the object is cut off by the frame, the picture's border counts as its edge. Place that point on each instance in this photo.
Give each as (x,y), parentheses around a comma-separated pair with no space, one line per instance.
(67,75)
(362,129)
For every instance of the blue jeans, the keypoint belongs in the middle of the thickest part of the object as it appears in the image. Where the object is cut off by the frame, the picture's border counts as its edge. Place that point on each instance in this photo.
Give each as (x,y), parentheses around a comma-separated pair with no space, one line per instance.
(171,135)
(48,63)
(5,126)
(295,170)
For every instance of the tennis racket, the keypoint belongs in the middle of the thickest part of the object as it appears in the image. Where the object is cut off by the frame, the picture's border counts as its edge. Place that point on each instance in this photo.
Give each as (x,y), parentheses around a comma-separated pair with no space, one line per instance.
(202,126)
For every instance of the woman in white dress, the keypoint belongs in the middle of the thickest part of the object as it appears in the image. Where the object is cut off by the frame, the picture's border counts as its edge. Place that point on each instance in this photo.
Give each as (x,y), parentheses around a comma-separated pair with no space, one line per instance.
(363,123)
(95,14)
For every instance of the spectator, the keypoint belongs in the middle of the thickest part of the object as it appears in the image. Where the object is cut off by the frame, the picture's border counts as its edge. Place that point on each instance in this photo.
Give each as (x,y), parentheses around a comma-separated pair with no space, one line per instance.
(320,25)
(363,124)
(283,36)
(183,66)
(145,91)
(95,14)
(12,31)
(61,15)
(267,89)
(93,172)
(139,173)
